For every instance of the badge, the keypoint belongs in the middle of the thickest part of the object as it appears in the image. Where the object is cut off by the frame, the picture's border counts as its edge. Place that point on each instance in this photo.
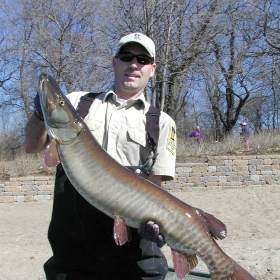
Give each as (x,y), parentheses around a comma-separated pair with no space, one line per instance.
(171,139)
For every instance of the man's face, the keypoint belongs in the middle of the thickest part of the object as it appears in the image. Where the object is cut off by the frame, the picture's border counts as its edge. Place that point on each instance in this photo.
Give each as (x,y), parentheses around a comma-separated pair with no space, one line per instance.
(131,77)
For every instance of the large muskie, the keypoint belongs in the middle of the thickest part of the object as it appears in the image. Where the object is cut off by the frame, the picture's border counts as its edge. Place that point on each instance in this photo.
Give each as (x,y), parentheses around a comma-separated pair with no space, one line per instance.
(127,198)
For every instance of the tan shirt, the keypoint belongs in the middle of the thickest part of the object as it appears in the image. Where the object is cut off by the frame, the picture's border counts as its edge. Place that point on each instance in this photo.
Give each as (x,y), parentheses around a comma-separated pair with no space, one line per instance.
(121,131)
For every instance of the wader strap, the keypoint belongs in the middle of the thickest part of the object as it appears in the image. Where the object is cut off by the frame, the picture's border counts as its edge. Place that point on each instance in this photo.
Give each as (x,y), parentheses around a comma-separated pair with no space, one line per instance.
(85,103)
(152,128)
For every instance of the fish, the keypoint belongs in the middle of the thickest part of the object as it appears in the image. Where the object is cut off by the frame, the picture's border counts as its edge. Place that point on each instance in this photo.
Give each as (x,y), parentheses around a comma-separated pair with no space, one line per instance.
(127,198)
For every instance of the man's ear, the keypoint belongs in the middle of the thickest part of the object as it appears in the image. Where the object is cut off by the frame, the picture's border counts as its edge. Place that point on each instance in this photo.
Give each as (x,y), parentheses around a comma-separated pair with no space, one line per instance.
(154,67)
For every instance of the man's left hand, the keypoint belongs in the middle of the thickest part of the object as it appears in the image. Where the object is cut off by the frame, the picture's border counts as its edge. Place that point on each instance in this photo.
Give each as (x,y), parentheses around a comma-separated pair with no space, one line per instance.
(150,231)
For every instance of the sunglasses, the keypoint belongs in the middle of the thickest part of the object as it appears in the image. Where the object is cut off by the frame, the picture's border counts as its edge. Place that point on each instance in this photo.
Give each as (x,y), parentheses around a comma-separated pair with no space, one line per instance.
(141,59)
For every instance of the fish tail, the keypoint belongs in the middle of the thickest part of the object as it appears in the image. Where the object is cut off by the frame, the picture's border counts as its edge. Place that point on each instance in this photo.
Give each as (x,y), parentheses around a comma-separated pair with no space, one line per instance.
(239,273)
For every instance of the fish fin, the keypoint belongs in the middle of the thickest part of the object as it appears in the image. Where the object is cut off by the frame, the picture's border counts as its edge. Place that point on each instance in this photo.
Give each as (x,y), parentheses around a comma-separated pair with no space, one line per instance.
(192,259)
(51,155)
(216,228)
(121,234)
(183,263)
(240,273)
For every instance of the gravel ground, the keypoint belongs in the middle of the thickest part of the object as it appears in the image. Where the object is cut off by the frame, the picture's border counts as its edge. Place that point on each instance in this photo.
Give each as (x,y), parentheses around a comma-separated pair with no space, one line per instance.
(251,216)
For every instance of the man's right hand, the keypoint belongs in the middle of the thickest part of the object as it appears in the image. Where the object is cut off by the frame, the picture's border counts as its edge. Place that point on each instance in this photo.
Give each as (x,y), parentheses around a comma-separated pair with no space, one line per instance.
(35,131)
(37,105)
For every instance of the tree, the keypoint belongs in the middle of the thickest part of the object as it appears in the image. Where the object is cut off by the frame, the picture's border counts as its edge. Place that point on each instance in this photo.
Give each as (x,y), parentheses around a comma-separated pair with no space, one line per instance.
(219,57)
(227,76)
(180,32)
(271,23)
(59,38)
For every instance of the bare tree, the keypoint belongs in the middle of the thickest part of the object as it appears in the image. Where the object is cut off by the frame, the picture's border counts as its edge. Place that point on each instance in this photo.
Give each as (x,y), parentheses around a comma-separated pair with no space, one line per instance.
(68,44)
(180,32)
(221,56)
(271,23)
(61,38)
(228,80)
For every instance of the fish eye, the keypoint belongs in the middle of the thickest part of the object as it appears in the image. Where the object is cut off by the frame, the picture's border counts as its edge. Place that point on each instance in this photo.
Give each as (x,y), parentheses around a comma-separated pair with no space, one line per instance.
(61,102)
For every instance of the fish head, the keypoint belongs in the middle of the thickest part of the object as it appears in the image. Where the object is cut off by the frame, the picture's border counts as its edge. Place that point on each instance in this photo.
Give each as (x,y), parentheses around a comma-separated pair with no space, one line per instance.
(62,122)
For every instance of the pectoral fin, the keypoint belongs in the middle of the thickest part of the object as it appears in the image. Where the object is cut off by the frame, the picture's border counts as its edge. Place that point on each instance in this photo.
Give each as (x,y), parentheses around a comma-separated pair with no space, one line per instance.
(183,263)
(51,155)
(121,232)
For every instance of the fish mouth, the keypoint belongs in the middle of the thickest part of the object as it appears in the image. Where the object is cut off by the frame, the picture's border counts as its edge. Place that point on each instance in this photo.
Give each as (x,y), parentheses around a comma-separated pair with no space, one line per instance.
(51,100)
(47,98)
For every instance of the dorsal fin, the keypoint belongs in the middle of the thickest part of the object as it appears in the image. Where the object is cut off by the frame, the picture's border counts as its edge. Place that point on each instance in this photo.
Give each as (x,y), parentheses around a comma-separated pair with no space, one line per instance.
(216,228)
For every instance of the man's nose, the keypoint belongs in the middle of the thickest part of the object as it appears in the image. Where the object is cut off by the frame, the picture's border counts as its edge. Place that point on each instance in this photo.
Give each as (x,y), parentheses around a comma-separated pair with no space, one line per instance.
(134,63)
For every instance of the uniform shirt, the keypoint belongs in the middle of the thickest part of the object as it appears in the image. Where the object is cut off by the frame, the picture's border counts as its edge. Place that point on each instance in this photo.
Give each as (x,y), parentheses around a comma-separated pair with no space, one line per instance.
(120,128)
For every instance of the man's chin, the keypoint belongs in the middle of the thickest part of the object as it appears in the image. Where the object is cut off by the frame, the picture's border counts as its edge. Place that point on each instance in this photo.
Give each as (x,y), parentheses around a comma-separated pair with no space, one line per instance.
(129,86)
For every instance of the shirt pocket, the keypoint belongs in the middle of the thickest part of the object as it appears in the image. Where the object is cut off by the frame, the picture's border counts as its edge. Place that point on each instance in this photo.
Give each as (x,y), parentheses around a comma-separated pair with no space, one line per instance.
(137,136)
(136,149)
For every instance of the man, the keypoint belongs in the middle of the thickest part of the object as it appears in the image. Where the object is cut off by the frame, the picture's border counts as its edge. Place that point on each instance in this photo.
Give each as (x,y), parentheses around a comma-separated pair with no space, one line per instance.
(81,237)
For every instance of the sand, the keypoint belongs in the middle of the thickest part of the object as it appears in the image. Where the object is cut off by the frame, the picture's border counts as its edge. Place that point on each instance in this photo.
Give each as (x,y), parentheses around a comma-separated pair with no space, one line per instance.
(251,216)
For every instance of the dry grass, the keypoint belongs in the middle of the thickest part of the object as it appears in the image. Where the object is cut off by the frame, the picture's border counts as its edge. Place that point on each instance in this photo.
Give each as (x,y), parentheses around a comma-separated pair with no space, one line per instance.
(263,143)
(24,165)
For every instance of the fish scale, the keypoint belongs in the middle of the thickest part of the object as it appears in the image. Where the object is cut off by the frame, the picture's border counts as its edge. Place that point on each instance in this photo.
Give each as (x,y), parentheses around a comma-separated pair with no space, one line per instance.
(116,191)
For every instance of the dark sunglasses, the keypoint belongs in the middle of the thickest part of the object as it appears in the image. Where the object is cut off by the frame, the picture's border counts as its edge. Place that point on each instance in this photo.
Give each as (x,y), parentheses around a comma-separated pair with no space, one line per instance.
(141,59)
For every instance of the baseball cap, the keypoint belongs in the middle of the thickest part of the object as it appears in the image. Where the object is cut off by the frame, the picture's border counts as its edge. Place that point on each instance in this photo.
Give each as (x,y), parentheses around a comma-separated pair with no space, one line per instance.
(140,39)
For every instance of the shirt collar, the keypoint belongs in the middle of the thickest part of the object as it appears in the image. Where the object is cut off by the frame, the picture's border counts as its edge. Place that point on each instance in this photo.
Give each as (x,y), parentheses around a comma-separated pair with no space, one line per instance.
(130,102)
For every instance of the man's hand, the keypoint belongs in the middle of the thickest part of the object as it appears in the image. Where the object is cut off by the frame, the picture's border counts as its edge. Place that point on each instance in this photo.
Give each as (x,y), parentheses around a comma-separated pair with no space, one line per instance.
(150,231)
(37,106)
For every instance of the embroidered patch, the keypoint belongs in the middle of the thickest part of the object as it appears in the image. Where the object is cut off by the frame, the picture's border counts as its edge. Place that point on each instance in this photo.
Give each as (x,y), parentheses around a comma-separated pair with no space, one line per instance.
(171,139)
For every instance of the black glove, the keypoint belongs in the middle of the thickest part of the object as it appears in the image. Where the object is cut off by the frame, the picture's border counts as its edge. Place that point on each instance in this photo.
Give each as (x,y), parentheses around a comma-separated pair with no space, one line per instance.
(150,231)
(38,109)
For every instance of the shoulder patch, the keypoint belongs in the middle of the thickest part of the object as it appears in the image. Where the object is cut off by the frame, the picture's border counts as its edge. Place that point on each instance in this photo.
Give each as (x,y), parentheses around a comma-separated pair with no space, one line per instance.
(171,139)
